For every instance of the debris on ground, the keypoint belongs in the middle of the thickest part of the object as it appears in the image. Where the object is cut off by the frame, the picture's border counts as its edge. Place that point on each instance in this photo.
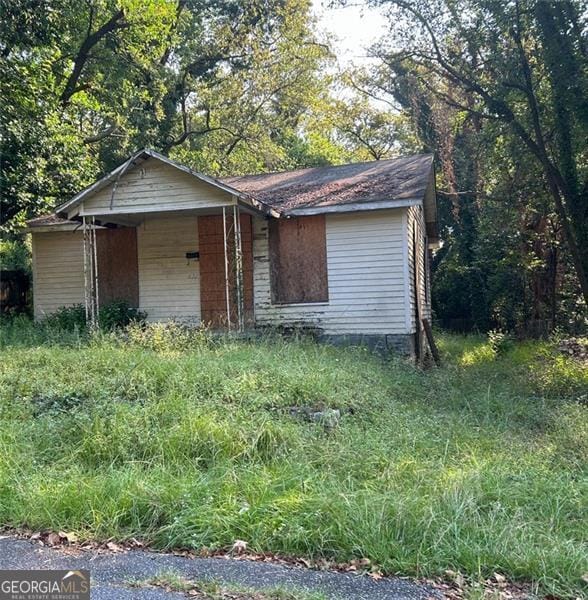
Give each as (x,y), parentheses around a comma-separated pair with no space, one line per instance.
(453,585)
(576,348)
(327,417)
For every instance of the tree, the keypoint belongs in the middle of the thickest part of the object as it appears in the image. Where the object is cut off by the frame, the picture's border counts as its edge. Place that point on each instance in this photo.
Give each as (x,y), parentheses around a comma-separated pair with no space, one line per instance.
(489,50)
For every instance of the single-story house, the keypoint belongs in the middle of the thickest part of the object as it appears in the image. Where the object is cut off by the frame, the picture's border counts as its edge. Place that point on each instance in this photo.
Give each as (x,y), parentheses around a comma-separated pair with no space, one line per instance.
(342,250)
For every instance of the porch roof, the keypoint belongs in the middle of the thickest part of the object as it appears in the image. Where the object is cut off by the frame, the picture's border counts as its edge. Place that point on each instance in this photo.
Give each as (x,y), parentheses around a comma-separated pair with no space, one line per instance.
(65,209)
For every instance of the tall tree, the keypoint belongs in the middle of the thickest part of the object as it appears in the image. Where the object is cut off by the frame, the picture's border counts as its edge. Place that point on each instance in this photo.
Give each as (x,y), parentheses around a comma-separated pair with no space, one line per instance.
(523,63)
(220,84)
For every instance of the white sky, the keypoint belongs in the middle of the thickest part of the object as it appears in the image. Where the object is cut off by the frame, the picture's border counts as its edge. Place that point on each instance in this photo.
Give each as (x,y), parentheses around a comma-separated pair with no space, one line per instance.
(355,27)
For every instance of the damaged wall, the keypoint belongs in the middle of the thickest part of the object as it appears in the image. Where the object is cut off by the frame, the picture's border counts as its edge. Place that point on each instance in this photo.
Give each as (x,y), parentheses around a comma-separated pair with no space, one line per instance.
(366,274)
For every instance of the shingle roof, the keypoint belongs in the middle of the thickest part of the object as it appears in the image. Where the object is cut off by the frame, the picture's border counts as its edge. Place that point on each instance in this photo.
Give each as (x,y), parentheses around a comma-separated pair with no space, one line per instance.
(52,219)
(323,188)
(404,178)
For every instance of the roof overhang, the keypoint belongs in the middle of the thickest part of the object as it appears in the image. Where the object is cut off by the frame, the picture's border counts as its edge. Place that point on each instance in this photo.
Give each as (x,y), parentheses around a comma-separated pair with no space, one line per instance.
(353,207)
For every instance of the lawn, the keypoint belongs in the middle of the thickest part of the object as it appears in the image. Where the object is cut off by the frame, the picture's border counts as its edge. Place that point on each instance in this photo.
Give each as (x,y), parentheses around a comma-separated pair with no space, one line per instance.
(479,466)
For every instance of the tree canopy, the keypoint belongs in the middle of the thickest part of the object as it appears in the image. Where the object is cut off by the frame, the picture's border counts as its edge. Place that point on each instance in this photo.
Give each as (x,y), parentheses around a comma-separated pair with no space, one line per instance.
(497,90)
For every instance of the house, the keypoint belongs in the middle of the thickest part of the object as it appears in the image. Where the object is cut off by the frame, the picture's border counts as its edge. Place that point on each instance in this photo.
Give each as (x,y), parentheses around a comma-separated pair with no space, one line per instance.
(340,249)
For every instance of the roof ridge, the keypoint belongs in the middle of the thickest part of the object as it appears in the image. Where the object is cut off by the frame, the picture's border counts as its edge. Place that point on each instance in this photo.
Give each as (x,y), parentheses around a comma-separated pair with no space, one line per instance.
(349,164)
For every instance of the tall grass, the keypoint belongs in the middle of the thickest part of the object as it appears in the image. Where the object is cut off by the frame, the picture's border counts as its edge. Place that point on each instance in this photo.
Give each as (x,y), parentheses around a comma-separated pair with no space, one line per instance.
(186,441)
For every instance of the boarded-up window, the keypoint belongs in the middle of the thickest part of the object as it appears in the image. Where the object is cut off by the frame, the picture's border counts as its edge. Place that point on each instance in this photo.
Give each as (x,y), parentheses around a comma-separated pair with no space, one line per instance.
(118,272)
(298,259)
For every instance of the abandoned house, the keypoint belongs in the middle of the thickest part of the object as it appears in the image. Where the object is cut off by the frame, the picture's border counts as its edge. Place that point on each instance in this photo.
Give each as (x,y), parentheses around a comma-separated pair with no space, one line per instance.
(341,250)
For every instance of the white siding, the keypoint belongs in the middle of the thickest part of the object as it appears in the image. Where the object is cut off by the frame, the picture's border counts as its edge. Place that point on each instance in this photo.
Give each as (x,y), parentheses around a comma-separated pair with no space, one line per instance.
(366,275)
(416,224)
(153,186)
(58,271)
(169,283)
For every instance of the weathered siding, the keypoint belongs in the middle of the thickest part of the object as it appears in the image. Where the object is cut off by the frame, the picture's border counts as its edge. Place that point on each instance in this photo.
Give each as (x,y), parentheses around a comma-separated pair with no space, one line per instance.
(153,186)
(169,283)
(416,226)
(365,275)
(58,271)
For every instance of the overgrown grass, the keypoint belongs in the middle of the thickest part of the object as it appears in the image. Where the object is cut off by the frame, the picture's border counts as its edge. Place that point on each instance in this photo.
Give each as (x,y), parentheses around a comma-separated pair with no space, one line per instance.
(479,466)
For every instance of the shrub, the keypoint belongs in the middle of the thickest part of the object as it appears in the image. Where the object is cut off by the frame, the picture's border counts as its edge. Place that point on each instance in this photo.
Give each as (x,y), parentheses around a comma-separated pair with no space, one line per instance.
(69,318)
(170,336)
(119,314)
(500,342)
(111,316)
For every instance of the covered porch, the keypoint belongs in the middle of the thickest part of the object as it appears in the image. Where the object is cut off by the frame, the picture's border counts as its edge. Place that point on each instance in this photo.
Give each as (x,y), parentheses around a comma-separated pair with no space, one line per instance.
(168,241)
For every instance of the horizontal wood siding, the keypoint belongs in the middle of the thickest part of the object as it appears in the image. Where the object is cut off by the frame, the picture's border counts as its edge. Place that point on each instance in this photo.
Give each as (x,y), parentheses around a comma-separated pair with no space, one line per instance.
(58,271)
(153,186)
(169,283)
(416,224)
(365,276)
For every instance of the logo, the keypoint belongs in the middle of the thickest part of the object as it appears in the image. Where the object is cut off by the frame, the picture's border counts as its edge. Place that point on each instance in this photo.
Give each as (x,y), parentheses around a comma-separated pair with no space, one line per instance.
(45,585)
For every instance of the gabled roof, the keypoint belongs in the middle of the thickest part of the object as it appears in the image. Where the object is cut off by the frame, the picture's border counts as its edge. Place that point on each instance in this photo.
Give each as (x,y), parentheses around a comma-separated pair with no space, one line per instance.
(393,182)
(141,156)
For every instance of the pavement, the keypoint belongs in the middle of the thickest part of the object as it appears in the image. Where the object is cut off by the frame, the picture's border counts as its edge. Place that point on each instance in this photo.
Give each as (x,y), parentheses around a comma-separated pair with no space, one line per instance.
(111,574)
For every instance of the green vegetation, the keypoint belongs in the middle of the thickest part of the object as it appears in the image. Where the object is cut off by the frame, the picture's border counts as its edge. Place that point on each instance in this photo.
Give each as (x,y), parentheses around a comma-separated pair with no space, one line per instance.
(188,441)
(211,590)
(110,316)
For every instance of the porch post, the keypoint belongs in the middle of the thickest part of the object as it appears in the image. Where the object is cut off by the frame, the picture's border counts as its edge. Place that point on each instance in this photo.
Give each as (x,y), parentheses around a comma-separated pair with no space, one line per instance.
(90,272)
(239,267)
(227,288)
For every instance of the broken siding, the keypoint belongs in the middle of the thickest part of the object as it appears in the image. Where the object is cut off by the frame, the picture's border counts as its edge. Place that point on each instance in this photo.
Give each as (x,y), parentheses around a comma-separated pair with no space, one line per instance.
(58,271)
(169,283)
(153,186)
(416,226)
(365,276)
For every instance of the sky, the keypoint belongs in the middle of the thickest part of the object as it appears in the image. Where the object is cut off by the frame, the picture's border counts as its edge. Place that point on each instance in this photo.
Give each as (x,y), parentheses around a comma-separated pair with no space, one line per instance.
(355,28)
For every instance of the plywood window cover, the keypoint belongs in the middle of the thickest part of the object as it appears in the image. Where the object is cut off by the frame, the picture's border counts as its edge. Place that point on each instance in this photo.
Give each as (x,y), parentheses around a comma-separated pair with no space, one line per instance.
(298,264)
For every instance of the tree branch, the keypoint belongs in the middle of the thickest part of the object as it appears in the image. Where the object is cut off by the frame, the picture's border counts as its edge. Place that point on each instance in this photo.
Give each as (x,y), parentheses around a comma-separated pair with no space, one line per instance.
(114,23)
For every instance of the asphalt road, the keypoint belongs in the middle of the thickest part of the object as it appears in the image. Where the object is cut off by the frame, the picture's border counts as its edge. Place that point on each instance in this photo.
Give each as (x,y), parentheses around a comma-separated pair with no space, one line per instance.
(111,573)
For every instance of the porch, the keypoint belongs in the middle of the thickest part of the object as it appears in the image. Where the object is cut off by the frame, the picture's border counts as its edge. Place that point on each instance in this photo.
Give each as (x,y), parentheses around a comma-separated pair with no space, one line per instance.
(172,242)
(193,266)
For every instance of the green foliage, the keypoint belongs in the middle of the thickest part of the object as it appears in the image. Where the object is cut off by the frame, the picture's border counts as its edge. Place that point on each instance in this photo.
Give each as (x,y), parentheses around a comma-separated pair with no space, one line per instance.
(14,255)
(68,318)
(503,128)
(500,342)
(111,316)
(223,86)
(463,467)
(171,336)
(118,314)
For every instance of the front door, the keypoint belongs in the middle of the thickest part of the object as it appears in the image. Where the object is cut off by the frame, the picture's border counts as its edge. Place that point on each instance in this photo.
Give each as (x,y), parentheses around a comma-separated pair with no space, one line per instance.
(213,270)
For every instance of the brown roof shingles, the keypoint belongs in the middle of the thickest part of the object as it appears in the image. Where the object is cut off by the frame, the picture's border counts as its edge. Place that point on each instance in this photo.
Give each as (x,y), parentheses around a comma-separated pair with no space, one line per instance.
(322,187)
(393,179)
(47,220)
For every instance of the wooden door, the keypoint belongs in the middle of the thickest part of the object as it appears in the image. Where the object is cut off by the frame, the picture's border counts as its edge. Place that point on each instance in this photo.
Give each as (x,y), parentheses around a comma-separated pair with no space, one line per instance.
(213,282)
(118,272)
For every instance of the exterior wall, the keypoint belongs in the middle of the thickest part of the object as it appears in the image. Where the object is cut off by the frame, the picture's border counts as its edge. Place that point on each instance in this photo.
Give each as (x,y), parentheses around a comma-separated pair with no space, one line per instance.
(365,259)
(154,186)
(417,267)
(169,283)
(58,271)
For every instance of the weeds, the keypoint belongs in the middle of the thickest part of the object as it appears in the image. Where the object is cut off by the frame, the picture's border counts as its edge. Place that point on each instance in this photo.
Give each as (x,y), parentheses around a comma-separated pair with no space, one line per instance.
(186,440)
(212,590)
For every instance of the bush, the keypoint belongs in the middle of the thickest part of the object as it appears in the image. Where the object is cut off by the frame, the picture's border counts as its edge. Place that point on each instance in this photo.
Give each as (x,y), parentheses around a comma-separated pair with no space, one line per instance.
(170,336)
(111,316)
(69,318)
(500,342)
(119,314)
